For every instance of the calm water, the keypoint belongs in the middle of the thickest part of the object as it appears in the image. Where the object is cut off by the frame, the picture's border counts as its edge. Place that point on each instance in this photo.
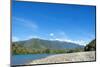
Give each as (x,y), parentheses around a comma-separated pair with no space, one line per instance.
(24,59)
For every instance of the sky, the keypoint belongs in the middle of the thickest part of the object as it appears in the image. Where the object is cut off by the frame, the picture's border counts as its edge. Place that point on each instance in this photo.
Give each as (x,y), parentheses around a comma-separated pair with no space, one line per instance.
(71,23)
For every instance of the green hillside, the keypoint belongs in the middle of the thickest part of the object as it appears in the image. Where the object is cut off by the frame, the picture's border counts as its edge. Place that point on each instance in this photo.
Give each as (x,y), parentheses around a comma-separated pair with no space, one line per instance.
(34,46)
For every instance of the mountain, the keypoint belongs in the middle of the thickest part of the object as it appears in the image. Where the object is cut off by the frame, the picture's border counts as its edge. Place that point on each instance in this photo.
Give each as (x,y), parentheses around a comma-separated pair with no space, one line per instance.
(91,46)
(46,44)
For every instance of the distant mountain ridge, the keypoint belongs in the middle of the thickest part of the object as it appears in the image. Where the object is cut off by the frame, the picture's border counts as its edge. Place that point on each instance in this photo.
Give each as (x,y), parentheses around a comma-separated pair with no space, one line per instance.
(36,43)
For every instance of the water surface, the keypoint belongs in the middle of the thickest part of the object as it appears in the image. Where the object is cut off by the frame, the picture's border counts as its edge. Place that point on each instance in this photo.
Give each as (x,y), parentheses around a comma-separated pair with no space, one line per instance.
(25,59)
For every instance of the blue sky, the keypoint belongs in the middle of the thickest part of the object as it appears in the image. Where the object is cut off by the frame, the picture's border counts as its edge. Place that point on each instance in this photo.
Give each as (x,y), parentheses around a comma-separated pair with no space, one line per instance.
(73,23)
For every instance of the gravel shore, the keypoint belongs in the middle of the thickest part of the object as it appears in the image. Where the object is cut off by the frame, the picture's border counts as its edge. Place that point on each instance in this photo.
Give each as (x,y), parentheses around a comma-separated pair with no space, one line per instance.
(68,57)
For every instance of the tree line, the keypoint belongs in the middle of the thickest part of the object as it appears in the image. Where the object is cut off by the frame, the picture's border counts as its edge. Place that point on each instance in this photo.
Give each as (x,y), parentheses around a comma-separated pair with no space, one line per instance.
(18,49)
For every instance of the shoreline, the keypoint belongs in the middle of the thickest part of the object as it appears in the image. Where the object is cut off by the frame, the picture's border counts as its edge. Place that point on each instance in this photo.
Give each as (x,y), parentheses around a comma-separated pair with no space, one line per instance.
(68,57)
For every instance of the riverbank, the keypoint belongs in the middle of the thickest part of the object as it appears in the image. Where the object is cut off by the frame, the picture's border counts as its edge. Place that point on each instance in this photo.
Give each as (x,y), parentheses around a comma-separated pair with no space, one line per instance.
(69,57)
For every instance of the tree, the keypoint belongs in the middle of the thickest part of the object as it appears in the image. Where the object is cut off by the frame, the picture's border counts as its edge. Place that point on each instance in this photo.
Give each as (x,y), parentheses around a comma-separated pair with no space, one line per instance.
(91,46)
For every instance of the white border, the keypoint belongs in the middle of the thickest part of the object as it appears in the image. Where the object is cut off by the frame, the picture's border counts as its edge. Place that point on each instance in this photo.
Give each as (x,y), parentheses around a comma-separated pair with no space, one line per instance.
(5,33)
(84,2)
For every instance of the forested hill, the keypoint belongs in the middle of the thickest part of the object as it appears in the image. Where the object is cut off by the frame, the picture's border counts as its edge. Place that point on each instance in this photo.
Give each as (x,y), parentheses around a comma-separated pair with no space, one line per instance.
(35,46)
(42,44)
(91,46)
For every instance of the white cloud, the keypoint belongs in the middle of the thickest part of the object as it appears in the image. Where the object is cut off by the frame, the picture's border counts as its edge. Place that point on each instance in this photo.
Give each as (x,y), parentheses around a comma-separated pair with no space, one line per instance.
(51,34)
(26,23)
(30,37)
(61,36)
(14,38)
(81,42)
